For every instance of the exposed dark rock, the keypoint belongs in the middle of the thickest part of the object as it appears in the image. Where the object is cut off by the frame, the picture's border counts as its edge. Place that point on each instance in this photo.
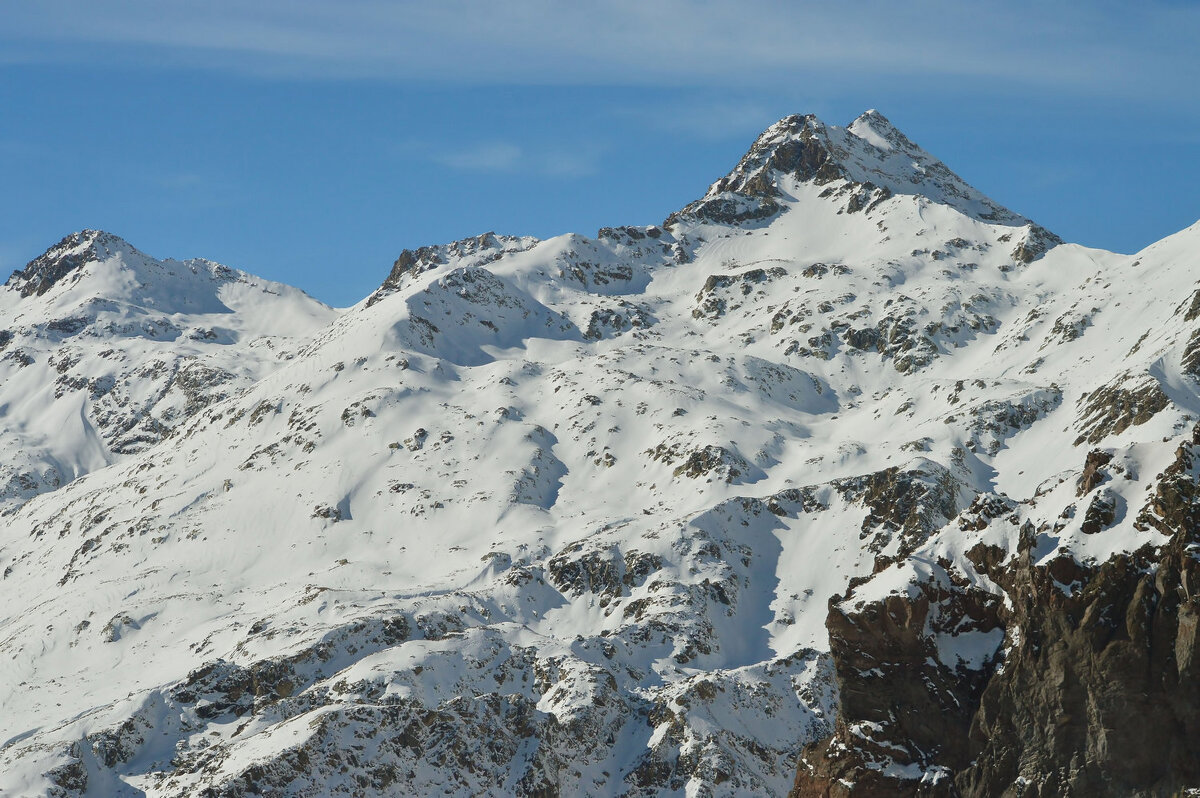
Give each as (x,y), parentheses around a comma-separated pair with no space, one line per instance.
(898,337)
(994,421)
(612,321)
(1037,242)
(1119,405)
(866,197)
(1191,354)
(608,573)
(1092,473)
(592,275)
(707,461)
(1175,504)
(69,326)
(1101,512)
(1099,693)
(905,713)
(794,146)
(985,508)
(21,358)
(904,504)
(67,256)
(477,251)
(627,234)
(719,293)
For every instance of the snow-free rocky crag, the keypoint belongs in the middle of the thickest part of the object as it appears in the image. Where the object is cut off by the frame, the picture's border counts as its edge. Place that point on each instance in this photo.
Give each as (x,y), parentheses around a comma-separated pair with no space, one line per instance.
(845,480)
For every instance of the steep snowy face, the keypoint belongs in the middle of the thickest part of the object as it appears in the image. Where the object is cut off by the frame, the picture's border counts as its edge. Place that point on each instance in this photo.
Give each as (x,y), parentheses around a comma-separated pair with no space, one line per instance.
(104,350)
(570,515)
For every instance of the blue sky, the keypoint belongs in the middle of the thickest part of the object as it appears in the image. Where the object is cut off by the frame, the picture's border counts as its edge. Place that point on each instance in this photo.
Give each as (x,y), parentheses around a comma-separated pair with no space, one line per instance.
(310,142)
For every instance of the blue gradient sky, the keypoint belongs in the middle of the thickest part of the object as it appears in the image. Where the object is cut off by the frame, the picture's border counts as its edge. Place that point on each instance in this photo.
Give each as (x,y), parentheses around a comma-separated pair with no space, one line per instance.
(310,142)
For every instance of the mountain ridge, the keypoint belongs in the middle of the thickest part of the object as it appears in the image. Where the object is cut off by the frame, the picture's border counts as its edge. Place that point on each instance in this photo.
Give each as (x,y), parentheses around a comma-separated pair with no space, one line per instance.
(603,515)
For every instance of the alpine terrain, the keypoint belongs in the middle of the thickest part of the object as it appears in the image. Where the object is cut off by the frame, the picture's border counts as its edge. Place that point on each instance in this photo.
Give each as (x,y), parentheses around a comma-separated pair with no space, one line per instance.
(842,481)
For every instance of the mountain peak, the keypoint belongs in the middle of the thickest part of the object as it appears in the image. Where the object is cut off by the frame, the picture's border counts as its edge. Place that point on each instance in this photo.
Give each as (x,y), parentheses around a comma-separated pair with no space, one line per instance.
(875,128)
(67,256)
(870,153)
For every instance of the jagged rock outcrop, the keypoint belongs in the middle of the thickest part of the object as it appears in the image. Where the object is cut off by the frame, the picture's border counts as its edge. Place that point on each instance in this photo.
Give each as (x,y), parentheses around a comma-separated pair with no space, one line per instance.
(477,251)
(1095,691)
(861,166)
(906,694)
(64,258)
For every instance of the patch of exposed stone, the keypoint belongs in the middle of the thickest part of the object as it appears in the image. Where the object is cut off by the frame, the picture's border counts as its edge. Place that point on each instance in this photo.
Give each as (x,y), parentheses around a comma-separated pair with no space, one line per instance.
(477,251)
(707,462)
(724,293)
(904,713)
(897,333)
(60,261)
(994,421)
(905,506)
(1094,471)
(592,275)
(1099,689)
(1117,406)
(794,146)
(798,147)
(858,196)
(897,337)
(1190,361)
(607,573)
(1036,243)
(617,319)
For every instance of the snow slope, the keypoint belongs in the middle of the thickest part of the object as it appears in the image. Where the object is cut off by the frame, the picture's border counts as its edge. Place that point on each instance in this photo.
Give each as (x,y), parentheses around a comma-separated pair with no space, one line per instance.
(559,515)
(104,350)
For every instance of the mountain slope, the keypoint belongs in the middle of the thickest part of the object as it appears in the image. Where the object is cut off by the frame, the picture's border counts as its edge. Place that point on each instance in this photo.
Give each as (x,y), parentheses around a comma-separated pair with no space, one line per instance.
(104,350)
(585,515)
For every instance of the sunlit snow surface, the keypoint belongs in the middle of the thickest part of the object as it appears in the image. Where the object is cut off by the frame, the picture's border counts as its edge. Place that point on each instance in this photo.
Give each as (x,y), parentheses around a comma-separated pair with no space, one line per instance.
(601,482)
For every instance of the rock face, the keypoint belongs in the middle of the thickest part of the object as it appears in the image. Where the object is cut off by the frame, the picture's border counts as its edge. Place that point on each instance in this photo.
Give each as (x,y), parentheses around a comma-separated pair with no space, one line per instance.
(846,480)
(1094,692)
(805,149)
(1101,694)
(61,260)
(905,711)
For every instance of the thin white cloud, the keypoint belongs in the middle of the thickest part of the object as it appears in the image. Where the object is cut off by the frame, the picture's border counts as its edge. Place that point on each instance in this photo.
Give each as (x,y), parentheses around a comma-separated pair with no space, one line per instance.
(568,164)
(715,118)
(502,157)
(487,157)
(191,190)
(1130,48)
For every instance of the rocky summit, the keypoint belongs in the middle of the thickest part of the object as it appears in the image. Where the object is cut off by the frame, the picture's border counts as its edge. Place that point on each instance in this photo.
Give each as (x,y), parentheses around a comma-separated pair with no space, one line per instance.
(845,480)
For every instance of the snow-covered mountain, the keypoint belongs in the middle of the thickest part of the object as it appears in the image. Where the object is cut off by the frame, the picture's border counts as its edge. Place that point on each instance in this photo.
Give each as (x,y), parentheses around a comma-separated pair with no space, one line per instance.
(105,350)
(678,509)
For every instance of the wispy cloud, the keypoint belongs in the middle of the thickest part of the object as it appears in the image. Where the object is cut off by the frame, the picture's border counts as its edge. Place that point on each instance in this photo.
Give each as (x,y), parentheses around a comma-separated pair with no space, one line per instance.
(501,157)
(703,117)
(187,189)
(496,156)
(1132,48)
(579,162)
